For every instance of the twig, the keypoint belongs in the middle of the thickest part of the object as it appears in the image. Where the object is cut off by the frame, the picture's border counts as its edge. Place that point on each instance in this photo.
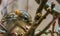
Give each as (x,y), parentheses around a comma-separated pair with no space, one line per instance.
(40,33)
(52,34)
(53,26)
(40,8)
(35,25)
(42,4)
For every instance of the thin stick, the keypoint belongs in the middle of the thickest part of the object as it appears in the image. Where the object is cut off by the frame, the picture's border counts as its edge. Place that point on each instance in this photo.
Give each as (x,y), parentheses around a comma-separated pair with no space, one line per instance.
(35,25)
(42,4)
(53,26)
(52,34)
(40,33)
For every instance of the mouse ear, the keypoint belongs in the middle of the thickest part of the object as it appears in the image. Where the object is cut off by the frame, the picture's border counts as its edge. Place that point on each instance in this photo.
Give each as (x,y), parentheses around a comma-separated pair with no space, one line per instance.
(38,1)
(0,1)
(58,1)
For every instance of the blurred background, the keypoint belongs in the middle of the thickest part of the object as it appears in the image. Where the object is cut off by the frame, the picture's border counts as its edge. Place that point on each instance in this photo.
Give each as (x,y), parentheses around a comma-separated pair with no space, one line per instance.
(30,6)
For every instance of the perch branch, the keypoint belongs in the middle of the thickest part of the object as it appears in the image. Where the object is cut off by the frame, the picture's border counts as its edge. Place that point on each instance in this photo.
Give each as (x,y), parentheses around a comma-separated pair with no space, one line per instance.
(40,33)
(53,26)
(42,4)
(35,25)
